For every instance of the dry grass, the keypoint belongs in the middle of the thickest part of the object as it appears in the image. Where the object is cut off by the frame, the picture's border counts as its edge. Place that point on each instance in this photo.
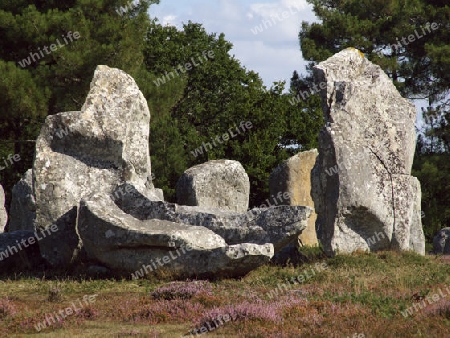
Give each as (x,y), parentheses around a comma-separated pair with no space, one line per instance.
(357,294)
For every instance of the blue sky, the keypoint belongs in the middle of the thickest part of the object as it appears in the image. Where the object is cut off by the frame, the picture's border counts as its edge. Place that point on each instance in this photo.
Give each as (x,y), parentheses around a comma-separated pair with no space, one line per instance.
(273,51)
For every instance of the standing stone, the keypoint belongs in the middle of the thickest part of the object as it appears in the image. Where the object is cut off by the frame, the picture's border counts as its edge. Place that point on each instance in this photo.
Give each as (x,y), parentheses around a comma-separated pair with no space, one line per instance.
(441,242)
(363,193)
(23,205)
(292,179)
(15,255)
(221,184)
(3,214)
(95,150)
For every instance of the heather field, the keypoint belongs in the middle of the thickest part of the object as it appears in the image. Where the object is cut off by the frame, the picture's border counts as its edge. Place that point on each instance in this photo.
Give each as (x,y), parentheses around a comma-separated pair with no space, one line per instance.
(362,295)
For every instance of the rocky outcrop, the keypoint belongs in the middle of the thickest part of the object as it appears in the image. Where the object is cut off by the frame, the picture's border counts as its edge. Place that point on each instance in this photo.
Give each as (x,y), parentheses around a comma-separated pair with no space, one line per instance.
(23,205)
(290,184)
(92,150)
(363,193)
(125,243)
(221,184)
(3,214)
(441,242)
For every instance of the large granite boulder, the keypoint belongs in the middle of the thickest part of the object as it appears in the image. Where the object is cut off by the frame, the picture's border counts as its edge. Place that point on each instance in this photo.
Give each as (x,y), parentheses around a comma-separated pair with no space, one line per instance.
(92,150)
(290,184)
(441,242)
(3,214)
(222,184)
(23,205)
(127,244)
(363,193)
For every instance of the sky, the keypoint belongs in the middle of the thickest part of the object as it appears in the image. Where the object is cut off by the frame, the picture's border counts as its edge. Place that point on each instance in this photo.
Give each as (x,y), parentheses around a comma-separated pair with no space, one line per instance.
(264,33)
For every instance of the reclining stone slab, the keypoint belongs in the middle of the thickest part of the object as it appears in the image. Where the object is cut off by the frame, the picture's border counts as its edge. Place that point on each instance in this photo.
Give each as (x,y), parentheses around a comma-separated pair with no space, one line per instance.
(278,225)
(124,243)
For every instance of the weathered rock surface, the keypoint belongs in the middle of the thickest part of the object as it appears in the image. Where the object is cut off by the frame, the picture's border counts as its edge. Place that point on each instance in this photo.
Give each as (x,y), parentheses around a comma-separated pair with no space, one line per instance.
(292,179)
(23,205)
(278,225)
(441,242)
(78,153)
(221,184)
(361,181)
(125,243)
(14,255)
(3,214)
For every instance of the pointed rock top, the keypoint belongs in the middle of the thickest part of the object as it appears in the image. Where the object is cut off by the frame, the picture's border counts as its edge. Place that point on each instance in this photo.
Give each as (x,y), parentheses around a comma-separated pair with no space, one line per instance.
(113,90)
(346,65)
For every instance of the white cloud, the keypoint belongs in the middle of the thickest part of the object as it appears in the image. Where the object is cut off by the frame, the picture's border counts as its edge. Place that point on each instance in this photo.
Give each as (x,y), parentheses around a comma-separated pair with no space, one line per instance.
(298,4)
(169,20)
(268,10)
(280,20)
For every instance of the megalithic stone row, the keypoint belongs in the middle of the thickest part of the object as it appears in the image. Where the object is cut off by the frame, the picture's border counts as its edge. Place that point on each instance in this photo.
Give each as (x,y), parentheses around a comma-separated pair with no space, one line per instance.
(91,181)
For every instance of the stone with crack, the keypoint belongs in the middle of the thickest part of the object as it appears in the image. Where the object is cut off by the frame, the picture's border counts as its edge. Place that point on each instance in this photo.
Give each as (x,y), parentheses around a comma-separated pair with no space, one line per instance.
(362,189)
